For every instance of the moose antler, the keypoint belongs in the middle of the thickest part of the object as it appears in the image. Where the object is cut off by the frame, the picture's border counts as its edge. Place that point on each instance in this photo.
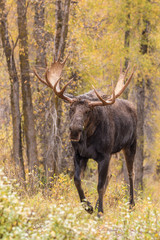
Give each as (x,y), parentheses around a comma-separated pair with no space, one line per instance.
(119,89)
(121,86)
(52,78)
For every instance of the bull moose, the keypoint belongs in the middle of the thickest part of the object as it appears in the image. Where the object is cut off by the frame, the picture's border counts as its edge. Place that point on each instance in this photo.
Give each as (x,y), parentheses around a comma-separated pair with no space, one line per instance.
(100,126)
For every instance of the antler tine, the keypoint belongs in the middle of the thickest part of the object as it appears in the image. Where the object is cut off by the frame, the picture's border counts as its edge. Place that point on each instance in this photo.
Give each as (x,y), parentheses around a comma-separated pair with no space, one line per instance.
(54,58)
(125,74)
(127,82)
(43,81)
(60,93)
(59,56)
(102,101)
(65,59)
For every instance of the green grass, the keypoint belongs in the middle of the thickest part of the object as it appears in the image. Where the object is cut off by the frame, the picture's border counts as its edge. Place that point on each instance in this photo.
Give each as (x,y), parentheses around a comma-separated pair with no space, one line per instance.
(59,215)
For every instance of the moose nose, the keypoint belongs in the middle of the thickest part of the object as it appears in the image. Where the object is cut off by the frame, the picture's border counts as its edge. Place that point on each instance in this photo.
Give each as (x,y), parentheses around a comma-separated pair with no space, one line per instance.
(77,128)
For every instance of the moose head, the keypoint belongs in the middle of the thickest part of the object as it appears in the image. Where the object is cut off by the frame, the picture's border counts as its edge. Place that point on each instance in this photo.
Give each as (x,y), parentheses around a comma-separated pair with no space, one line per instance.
(81,108)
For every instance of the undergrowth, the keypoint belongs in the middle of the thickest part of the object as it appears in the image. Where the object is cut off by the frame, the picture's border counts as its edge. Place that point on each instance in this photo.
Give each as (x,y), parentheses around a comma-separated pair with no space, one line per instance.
(59,215)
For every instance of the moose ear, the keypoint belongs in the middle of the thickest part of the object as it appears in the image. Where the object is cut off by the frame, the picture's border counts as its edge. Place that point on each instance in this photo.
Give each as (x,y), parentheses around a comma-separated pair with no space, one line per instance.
(90,130)
(92,127)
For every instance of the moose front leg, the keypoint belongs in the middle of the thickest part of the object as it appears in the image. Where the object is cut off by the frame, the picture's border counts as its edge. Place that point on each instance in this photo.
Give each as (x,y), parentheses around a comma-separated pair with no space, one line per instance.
(103,166)
(80,165)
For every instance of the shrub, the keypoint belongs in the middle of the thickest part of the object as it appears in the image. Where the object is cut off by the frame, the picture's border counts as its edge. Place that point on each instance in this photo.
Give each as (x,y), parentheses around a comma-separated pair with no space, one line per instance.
(14,217)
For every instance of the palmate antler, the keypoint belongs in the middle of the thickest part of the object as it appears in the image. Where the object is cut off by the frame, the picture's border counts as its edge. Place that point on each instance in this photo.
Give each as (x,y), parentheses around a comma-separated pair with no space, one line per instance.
(119,89)
(52,79)
(53,76)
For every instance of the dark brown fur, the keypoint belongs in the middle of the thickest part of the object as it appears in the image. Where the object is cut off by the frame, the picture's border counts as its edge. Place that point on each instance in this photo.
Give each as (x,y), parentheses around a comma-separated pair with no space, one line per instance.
(97,133)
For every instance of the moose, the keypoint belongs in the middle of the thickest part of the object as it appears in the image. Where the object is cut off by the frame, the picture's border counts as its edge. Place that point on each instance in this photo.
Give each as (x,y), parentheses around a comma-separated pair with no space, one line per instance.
(100,125)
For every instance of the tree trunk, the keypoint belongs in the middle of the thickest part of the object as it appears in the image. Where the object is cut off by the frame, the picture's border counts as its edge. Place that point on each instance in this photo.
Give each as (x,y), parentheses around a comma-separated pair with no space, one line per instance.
(29,128)
(42,123)
(15,110)
(126,47)
(140,91)
(158,167)
(54,161)
(127,34)
(59,19)
(39,33)
(140,94)
(62,19)
(64,29)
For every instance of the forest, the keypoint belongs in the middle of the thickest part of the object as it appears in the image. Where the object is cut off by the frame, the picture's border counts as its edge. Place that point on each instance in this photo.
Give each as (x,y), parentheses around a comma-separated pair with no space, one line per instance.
(38,198)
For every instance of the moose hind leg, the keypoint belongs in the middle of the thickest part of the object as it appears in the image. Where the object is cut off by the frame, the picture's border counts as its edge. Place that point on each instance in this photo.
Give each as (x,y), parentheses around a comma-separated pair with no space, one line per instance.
(129,157)
(80,165)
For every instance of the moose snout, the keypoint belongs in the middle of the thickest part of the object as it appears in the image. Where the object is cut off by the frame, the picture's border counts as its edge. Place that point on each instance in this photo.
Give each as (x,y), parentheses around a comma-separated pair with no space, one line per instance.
(75,131)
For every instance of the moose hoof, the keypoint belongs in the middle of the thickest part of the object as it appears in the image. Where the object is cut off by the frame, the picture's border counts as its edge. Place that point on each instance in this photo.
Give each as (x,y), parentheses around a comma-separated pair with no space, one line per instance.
(100,215)
(87,206)
(131,206)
